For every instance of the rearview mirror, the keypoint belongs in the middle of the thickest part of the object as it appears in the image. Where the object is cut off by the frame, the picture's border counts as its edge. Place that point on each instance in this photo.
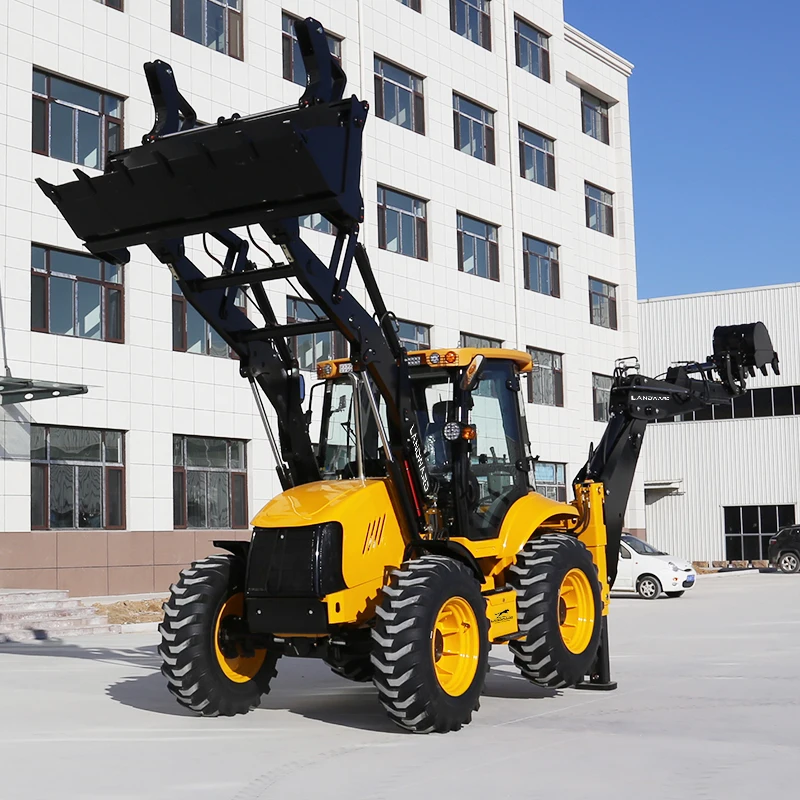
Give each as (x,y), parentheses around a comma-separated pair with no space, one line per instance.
(472,373)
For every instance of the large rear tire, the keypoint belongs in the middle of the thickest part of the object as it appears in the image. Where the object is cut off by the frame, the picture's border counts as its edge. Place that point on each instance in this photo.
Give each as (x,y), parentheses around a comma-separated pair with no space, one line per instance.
(430,645)
(559,609)
(204,674)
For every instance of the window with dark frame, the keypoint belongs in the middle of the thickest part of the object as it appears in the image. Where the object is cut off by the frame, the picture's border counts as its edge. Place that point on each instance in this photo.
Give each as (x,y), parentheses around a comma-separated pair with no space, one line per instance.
(478,342)
(399,97)
(111,3)
(471,19)
(551,480)
(603,304)
(599,209)
(477,248)
(537,161)
(216,24)
(601,396)
(74,122)
(546,379)
(413,335)
(415,5)
(773,401)
(76,295)
(594,112)
(541,267)
(748,529)
(209,482)
(473,127)
(77,478)
(311,348)
(402,223)
(293,68)
(316,222)
(191,333)
(533,49)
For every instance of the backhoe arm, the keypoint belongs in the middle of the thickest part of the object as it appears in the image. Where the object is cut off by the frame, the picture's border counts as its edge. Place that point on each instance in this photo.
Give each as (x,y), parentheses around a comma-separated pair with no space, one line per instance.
(637,400)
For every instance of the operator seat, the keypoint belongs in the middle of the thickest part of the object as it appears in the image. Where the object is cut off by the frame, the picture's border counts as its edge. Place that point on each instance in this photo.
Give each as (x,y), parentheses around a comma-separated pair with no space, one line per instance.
(438,453)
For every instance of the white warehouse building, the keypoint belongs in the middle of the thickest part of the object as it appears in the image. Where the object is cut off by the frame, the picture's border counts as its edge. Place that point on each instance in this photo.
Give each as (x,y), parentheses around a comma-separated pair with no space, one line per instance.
(499,209)
(721,481)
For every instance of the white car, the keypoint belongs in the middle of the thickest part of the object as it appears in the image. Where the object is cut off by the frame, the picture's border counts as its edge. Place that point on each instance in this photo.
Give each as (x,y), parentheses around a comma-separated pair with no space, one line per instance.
(648,572)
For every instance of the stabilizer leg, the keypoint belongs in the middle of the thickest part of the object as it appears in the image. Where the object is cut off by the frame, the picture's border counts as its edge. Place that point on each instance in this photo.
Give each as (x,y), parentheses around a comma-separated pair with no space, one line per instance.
(599,679)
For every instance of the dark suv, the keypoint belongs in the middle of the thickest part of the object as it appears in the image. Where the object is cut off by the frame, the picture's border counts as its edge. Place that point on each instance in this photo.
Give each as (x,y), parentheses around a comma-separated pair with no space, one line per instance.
(784,549)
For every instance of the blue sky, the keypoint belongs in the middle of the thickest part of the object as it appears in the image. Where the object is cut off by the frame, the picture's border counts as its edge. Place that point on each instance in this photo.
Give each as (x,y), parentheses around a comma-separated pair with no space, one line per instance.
(715,99)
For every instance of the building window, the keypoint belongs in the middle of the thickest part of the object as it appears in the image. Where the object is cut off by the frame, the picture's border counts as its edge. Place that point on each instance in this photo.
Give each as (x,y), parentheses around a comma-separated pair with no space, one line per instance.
(191,333)
(540,262)
(76,295)
(533,49)
(603,304)
(402,223)
(414,4)
(601,396)
(209,482)
(474,129)
(551,480)
(398,96)
(537,161)
(478,342)
(414,336)
(73,122)
(546,381)
(214,23)
(599,209)
(774,401)
(77,478)
(477,248)
(316,222)
(595,117)
(748,530)
(470,19)
(311,348)
(293,68)
(111,3)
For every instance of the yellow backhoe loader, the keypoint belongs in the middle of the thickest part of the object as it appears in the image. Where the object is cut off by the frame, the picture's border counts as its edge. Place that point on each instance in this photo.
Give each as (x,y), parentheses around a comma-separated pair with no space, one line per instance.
(411,538)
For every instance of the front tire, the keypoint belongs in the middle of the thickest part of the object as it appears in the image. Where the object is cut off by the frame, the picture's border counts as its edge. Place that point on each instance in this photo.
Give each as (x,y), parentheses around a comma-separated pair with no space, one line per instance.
(559,609)
(789,563)
(648,587)
(430,645)
(204,674)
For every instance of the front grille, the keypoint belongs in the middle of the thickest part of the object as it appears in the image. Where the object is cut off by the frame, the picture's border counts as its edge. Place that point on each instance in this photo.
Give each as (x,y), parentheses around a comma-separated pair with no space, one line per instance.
(295,562)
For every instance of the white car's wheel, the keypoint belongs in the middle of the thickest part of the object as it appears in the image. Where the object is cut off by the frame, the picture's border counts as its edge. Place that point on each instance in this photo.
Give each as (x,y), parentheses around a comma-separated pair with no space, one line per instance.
(648,587)
(789,562)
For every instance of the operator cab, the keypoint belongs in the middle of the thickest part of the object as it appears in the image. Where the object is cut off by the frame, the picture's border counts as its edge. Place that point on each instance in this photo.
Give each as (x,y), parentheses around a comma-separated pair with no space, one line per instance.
(470,414)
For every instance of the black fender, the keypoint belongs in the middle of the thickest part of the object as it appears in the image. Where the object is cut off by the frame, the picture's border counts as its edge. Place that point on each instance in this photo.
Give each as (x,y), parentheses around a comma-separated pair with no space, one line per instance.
(236,548)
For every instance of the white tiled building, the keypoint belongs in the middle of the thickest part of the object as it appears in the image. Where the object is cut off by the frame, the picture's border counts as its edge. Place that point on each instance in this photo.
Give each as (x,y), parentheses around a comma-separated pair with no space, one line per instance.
(567,92)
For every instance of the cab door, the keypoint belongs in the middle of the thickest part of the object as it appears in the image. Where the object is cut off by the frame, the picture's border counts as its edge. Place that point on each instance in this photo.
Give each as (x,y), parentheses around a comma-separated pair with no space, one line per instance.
(497,466)
(624,568)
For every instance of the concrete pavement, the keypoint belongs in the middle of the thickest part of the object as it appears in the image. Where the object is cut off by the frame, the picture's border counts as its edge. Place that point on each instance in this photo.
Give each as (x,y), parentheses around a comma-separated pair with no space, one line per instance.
(708,707)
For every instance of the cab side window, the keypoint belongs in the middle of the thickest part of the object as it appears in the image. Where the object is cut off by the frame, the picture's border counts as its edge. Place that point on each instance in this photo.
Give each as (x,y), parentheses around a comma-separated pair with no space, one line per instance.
(624,552)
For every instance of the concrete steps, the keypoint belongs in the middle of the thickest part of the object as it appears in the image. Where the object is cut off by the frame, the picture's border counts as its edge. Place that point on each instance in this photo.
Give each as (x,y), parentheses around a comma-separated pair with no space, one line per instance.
(26,615)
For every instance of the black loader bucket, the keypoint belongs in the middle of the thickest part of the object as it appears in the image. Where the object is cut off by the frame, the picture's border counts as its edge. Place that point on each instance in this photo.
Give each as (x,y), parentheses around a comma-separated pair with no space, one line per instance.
(239,171)
(741,349)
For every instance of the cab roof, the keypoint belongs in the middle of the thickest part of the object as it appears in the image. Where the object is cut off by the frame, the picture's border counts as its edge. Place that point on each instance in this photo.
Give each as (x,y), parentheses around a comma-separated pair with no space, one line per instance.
(440,357)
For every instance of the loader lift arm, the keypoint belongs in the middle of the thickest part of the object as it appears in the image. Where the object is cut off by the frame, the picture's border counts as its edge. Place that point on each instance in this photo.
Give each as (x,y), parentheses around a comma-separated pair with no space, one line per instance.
(637,400)
(266,169)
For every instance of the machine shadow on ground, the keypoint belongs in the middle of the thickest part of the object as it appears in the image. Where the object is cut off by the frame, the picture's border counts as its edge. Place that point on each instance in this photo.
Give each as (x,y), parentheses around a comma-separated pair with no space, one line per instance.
(315,694)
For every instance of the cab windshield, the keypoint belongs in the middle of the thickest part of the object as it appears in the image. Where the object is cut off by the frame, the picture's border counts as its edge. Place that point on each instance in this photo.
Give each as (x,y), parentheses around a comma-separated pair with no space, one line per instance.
(641,547)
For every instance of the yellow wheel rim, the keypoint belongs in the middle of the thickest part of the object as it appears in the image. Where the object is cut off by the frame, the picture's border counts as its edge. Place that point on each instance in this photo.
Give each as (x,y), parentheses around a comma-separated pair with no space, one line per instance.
(239,669)
(576,611)
(455,646)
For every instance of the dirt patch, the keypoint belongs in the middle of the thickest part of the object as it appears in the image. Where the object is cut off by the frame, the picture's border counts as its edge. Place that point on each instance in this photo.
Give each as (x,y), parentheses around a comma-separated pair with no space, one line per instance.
(129,611)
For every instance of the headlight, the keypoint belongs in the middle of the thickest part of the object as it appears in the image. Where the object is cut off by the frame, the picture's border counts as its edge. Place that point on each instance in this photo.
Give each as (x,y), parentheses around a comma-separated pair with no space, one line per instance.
(675,567)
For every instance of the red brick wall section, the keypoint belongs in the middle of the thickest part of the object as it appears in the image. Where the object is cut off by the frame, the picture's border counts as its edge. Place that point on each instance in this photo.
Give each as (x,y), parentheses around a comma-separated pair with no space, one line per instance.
(90,563)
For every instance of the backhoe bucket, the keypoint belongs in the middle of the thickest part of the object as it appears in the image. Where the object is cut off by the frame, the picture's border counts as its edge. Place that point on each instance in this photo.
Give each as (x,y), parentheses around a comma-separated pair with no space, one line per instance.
(743,347)
(239,171)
